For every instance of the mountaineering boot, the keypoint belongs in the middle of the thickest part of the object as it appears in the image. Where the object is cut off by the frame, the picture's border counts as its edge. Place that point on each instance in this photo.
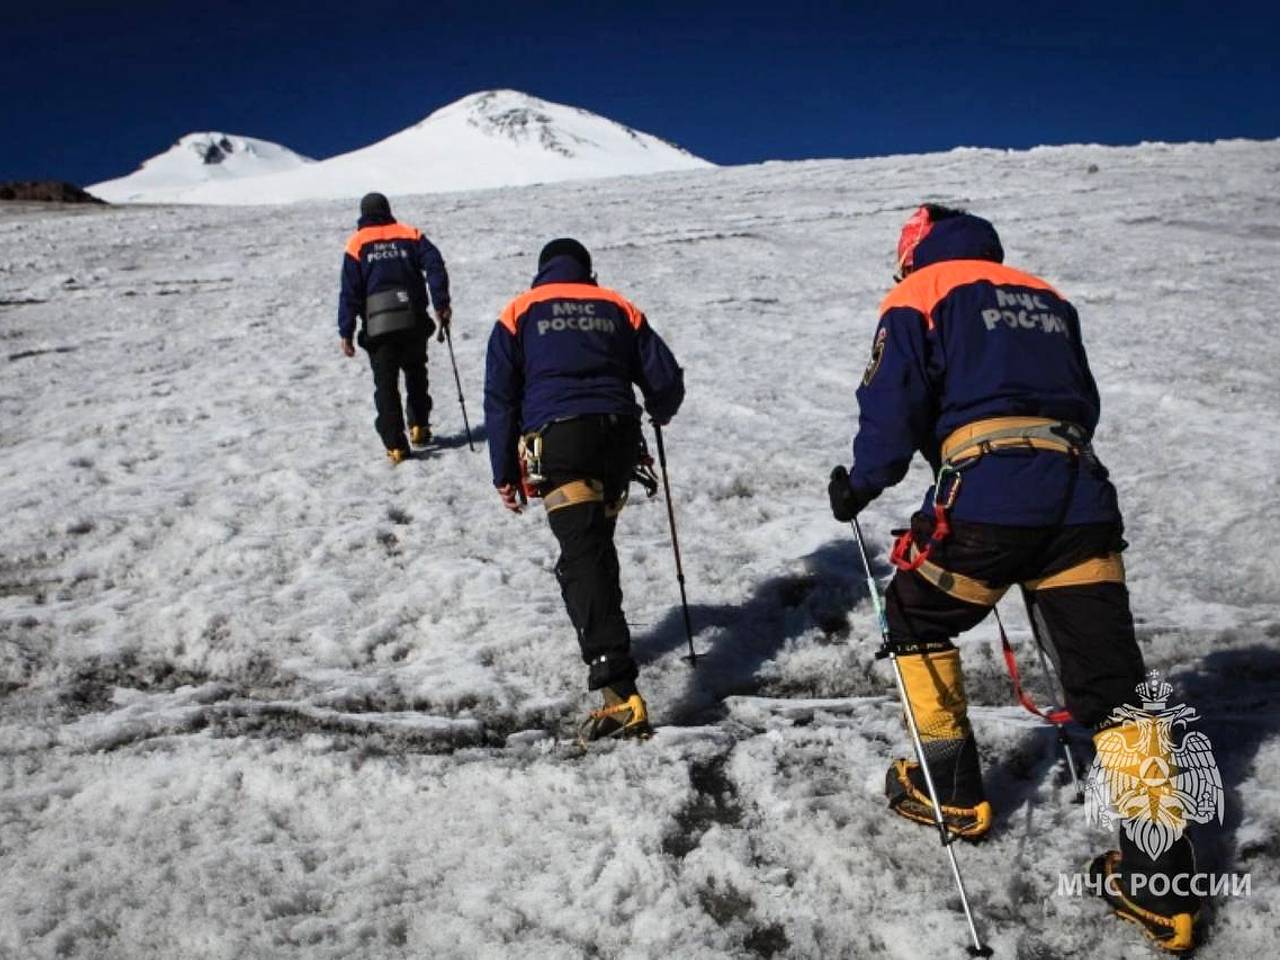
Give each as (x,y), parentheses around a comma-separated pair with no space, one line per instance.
(419,436)
(624,718)
(908,796)
(1169,921)
(1140,775)
(935,689)
(397,455)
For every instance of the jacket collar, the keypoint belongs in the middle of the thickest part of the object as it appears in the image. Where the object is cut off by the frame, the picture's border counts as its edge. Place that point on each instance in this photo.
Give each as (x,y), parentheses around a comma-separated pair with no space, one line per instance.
(965,237)
(563,270)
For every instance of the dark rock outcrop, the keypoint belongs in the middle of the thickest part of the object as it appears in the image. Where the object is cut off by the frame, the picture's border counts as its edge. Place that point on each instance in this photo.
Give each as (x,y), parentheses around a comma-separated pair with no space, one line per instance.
(46,191)
(217,151)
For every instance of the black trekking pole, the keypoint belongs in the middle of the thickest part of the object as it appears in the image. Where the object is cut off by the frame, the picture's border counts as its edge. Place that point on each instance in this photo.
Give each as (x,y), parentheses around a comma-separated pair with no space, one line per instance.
(675,544)
(887,651)
(448,333)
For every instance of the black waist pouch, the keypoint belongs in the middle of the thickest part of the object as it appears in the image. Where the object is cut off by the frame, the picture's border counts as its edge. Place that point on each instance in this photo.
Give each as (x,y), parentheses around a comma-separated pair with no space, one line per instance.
(394,311)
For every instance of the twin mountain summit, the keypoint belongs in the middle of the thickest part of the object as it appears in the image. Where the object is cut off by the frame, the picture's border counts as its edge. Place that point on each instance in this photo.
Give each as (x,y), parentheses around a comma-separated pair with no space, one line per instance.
(497,138)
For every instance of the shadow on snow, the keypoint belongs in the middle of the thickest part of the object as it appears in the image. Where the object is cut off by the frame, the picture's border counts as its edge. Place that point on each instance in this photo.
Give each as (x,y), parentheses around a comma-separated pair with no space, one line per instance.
(453,441)
(734,641)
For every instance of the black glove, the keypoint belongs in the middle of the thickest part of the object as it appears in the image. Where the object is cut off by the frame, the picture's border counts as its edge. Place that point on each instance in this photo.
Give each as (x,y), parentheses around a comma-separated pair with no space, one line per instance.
(846,502)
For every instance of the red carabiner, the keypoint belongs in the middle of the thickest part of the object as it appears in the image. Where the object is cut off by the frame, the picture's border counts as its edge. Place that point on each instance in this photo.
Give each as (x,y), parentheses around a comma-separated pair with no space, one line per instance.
(900,555)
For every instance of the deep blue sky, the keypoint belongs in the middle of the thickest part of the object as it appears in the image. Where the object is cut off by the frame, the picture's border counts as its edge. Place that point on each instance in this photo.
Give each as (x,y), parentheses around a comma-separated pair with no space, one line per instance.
(90,89)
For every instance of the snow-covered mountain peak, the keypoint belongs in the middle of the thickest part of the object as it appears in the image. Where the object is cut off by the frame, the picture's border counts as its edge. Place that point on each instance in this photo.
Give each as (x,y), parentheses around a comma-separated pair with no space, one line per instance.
(199,158)
(494,138)
(247,156)
(519,117)
(212,147)
(490,106)
(488,102)
(525,120)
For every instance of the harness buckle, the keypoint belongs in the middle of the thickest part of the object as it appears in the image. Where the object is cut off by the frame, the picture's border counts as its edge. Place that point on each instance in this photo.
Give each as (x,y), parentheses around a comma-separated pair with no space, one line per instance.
(944,498)
(946,488)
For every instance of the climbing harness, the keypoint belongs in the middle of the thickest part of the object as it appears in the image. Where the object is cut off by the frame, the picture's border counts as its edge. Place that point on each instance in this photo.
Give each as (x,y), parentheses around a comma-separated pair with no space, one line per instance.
(961,450)
(533,479)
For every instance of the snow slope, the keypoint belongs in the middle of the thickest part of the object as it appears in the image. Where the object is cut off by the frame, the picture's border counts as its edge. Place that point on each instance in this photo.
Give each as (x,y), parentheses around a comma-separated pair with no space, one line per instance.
(199,158)
(498,138)
(262,695)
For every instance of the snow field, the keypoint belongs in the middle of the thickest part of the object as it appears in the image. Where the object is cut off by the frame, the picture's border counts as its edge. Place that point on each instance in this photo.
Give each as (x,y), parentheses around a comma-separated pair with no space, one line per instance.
(263,695)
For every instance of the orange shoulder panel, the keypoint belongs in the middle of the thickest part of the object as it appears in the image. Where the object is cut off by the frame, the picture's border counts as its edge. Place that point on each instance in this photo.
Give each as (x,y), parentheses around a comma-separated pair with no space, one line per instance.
(511,312)
(510,316)
(630,309)
(388,231)
(926,288)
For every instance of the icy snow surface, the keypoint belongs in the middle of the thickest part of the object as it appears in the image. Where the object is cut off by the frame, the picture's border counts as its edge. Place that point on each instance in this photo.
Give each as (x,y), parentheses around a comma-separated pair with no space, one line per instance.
(262,695)
(497,138)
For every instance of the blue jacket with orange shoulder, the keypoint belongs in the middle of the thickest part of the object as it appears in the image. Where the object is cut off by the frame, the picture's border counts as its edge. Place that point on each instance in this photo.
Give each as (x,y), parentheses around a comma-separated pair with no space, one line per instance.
(386,255)
(569,348)
(963,339)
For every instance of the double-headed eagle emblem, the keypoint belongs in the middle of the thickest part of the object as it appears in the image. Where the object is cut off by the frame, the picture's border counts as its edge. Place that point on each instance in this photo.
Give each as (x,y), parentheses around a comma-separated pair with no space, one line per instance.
(1153,784)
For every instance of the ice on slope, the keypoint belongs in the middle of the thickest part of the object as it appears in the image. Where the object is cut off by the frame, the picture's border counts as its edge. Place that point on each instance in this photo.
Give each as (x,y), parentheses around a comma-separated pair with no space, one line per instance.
(498,138)
(262,695)
(199,158)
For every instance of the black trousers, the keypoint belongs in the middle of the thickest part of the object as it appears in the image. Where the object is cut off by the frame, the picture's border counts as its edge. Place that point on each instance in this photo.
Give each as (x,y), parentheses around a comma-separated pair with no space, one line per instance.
(390,354)
(602,449)
(1087,625)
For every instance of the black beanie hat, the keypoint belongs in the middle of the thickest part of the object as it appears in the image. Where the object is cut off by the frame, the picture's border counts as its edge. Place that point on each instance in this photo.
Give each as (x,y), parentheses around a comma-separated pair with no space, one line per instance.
(375,205)
(565,247)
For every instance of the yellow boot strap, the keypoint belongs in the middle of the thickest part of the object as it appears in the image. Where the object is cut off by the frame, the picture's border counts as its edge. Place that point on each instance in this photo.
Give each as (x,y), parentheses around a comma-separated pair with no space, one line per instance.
(981,815)
(1181,926)
(622,707)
